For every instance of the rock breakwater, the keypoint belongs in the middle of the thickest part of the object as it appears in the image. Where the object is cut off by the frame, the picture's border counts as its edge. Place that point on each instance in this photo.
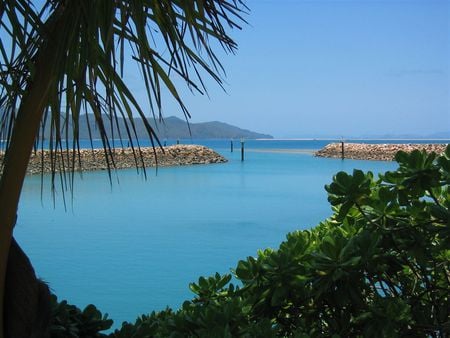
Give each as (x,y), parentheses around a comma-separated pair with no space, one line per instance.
(377,152)
(88,159)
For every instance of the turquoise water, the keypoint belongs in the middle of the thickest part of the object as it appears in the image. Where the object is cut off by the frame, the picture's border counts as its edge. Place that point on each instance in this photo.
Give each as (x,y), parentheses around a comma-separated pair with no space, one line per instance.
(134,247)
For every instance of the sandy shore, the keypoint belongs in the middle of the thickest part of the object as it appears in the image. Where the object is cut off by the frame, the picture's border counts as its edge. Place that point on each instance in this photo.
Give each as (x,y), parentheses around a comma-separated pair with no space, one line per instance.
(378,152)
(88,159)
(283,151)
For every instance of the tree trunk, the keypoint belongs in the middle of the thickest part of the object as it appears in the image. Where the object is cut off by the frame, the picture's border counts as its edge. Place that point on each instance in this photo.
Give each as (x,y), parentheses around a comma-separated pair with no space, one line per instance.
(27,123)
(27,299)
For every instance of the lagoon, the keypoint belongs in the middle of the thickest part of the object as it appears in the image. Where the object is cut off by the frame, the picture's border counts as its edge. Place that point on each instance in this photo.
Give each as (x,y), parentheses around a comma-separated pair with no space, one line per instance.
(134,246)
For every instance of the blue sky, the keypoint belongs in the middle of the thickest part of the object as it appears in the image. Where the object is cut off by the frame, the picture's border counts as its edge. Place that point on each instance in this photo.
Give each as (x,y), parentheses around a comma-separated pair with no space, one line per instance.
(331,68)
(335,68)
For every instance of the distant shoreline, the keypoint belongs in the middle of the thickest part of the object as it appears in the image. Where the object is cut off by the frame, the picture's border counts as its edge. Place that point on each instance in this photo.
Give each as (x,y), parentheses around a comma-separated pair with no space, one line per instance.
(284,151)
(351,140)
(376,152)
(118,141)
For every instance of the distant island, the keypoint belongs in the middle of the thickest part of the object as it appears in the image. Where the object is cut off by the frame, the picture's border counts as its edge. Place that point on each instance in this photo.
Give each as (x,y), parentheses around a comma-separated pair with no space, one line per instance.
(173,127)
(442,135)
(169,128)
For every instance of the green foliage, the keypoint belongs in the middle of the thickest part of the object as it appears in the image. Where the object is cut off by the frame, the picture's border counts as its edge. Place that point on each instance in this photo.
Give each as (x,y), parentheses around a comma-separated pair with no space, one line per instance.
(218,310)
(379,267)
(68,321)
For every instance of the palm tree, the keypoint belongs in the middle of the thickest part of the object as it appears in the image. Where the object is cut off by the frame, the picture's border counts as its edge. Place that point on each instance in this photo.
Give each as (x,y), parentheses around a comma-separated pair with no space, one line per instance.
(67,57)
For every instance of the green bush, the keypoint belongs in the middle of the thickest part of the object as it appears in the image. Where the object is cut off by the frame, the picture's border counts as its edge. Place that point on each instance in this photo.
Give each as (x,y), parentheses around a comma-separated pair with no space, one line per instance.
(379,267)
(68,321)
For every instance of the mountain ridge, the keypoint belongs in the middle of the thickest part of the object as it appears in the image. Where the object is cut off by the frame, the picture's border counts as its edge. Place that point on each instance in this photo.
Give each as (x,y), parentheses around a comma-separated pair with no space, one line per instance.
(170,127)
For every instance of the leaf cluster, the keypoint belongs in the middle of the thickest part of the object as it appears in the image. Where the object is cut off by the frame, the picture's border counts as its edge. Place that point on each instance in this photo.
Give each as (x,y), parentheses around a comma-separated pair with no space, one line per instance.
(83,48)
(68,321)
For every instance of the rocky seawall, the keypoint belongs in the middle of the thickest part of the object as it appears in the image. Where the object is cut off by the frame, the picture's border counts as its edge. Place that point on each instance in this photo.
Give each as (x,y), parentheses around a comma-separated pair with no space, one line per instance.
(377,152)
(88,159)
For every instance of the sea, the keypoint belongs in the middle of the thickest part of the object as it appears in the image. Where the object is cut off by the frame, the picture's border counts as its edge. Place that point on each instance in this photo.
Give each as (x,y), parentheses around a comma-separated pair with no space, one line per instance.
(131,245)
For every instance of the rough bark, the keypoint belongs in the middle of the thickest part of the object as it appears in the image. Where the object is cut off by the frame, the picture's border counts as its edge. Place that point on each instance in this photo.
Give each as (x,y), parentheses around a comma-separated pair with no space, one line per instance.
(27,299)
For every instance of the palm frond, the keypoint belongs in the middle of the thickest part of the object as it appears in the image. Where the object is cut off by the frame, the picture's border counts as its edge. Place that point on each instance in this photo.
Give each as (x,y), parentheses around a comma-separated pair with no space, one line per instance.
(93,42)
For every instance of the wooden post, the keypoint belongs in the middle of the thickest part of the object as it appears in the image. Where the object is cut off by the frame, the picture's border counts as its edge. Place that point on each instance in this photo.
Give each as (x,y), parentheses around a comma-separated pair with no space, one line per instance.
(242,150)
(342,150)
(231,145)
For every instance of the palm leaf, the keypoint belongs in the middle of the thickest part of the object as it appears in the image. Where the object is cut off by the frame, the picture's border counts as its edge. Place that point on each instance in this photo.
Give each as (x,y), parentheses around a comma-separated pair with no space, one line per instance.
(93,42)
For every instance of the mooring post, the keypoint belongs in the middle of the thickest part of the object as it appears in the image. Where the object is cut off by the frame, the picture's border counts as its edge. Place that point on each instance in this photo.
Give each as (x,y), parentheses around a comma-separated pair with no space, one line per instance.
(242,149)
(342,150)
(231,145)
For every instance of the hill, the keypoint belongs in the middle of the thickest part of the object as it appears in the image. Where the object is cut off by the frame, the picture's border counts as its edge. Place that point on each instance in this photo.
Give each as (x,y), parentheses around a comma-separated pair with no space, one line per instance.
(172,128)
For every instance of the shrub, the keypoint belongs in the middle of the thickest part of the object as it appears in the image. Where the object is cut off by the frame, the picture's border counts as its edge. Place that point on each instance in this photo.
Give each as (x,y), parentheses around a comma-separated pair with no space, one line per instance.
(68,321)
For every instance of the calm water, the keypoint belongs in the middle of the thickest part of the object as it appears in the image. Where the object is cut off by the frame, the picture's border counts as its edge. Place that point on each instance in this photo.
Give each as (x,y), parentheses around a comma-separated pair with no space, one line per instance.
(134,247)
